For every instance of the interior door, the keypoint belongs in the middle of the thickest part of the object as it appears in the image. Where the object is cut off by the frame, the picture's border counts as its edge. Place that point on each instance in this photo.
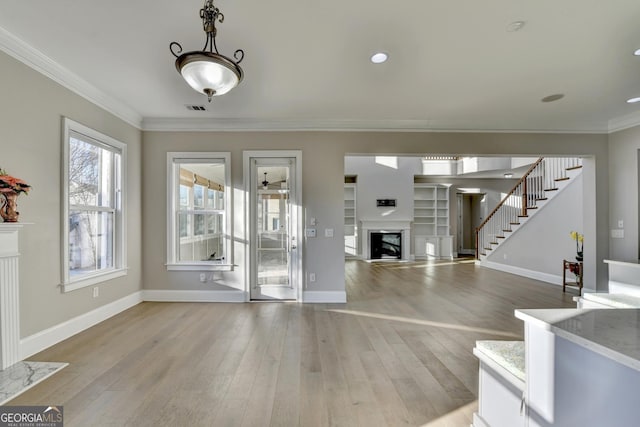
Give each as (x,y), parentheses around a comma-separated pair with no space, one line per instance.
(274,229)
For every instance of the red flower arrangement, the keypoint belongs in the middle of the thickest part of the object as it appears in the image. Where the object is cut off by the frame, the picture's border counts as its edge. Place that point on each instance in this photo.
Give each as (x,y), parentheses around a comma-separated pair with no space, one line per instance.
(9,184)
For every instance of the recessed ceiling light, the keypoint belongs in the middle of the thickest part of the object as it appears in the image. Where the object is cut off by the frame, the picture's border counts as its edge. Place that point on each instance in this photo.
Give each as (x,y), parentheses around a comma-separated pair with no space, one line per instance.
(554,97)
(515,26)
(637,52)
(508,175)
(379,58)
(633,100)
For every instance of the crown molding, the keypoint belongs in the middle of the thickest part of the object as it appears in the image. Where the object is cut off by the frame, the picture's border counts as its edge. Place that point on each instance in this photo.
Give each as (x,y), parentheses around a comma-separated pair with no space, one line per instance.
(46,66)
(258,125)
(624,122)
(28,55)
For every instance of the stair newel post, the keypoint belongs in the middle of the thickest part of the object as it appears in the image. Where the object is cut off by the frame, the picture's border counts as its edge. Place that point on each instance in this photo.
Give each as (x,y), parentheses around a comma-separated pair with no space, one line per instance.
(477,243)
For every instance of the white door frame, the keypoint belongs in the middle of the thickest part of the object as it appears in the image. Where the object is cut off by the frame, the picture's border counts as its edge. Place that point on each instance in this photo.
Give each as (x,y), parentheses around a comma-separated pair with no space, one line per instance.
(296,199)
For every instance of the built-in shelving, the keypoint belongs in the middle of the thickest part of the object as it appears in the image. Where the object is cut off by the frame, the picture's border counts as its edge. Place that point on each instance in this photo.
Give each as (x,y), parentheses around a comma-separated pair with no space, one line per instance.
(431,221)
(350,219)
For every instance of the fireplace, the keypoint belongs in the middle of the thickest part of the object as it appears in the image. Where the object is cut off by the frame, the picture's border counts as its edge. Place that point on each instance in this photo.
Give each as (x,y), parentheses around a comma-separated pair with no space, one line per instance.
(397,239)
(386,245)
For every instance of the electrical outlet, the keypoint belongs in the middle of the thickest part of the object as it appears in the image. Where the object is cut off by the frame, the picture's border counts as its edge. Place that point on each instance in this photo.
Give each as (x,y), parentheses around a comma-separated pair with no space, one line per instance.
(312,277)
(328,232)
(620,223)
(96,292)
(203,277)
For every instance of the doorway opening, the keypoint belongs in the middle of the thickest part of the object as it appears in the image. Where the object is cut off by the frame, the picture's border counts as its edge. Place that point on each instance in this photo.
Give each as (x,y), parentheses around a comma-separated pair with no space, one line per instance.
(470,215)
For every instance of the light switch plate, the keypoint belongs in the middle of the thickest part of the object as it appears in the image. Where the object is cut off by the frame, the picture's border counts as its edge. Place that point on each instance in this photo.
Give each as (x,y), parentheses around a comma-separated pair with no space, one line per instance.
(328,232)
(617,234)
(310,232)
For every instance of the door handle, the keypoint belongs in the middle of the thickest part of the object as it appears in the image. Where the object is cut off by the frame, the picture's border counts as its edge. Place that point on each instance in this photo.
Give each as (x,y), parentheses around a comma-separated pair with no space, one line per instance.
(293,243)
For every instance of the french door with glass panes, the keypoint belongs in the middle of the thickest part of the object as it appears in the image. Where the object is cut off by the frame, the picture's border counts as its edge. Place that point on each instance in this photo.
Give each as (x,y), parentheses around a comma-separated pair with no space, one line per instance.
(274,221)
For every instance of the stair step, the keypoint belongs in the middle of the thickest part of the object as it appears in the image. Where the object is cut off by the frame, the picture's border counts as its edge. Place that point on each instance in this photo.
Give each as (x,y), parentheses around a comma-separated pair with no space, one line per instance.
(551,189)
(523,216)
(541,200)
(488,249)
(493,243)
(564,178)
(500,237)
(514,223)
(532,207)
(574,167)
(507,231)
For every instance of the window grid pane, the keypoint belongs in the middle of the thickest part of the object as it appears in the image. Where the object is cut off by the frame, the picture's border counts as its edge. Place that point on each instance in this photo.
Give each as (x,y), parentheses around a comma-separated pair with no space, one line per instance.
(199,210)
(91,174)
(90,241)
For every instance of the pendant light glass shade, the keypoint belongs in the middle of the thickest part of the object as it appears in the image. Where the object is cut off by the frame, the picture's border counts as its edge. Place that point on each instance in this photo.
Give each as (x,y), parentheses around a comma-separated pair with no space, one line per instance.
(208,73)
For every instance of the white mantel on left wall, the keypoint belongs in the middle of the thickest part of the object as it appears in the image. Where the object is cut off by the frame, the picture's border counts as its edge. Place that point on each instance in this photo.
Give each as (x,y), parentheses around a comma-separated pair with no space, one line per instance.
(9,294)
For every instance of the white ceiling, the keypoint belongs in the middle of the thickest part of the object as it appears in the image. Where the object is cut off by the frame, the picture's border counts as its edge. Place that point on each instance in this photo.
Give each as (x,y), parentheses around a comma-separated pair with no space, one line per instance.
(453,65)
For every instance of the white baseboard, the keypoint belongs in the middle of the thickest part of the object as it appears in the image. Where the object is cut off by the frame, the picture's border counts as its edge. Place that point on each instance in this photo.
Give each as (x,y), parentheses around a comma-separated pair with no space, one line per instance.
(44,339)
(327,297)
(519,271)
(192,296)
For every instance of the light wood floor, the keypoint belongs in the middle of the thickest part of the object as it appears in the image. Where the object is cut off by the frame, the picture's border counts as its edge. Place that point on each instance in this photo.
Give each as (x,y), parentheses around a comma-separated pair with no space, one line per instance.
(399,353)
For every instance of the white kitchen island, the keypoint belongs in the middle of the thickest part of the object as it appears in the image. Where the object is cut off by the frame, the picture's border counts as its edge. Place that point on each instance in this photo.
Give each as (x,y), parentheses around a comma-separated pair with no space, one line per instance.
(582,368)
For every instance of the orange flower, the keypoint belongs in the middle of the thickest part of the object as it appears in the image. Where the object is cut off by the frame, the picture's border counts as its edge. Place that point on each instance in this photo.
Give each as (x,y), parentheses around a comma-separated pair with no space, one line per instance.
(9,183)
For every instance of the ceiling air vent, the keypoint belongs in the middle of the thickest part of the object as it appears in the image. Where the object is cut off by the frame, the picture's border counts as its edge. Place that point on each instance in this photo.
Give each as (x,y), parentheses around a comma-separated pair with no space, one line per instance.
(196,108)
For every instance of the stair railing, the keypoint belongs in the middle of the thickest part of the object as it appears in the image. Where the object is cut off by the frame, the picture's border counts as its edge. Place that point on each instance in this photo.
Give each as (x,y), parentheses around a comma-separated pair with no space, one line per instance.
(541,177)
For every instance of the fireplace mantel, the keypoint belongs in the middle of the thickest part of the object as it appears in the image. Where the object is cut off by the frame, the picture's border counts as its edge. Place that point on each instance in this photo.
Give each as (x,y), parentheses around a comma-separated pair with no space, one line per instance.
(9,295)
(381,226)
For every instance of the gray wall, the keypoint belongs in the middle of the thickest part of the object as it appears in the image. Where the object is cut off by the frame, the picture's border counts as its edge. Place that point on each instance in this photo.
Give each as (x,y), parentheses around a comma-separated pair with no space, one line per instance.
(322,192)
(377,181)
(624,149)
(31,111)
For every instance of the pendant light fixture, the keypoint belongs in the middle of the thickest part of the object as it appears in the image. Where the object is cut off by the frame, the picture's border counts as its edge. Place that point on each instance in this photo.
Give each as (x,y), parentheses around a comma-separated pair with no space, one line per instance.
(207,71)
(265,183)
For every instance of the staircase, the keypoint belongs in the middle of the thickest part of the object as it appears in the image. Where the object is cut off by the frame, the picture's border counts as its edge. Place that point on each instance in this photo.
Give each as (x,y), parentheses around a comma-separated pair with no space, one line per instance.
(541,182)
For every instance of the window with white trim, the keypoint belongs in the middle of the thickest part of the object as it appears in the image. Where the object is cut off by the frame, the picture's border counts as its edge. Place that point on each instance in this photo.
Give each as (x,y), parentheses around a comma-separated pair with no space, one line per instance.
(93,219)
(199,211)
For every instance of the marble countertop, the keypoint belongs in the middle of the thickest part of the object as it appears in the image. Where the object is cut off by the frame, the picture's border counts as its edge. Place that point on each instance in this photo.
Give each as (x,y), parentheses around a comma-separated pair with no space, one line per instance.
(614,300)
(632,264)
(507,354)
(613,333)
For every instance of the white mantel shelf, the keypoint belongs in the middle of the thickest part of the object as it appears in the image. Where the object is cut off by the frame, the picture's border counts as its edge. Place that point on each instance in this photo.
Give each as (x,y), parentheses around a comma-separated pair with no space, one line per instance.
(9,294)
